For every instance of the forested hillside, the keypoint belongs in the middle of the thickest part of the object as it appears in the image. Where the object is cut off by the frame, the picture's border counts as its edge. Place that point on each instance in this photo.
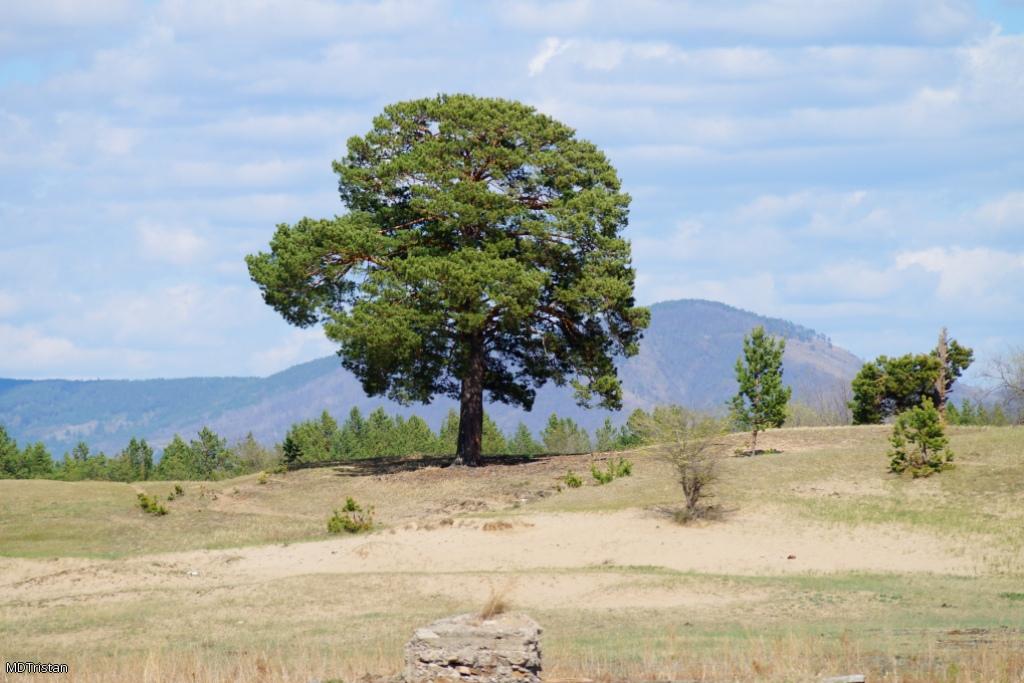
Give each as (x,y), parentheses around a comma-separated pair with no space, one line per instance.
(687,356)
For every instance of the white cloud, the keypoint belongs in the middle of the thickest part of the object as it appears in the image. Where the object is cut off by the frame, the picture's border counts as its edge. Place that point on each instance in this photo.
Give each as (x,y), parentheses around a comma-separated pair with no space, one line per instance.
(1002,213)
(755,291)
(285,20)
(33,27)
(27,352)
(855,215)
(244,175)
(780,154)
(175,245)
(683,243)
(25,349)
(189,316)
(848,281)
(978,275)
(536,16)
(65,12)
(992,77)
(9,303)
(875,21)
(311,126)
(298,345)
(116,141)
(549,49)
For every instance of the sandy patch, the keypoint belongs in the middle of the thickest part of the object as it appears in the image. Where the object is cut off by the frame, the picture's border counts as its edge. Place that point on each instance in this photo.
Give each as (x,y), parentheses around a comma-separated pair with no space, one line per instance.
(747,544)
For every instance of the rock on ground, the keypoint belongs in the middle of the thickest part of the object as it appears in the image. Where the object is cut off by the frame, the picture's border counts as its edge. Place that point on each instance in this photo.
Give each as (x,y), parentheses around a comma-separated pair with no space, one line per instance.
(502,649)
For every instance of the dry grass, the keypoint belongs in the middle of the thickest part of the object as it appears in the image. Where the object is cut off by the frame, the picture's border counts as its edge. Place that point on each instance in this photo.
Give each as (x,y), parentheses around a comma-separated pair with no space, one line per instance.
(147,621)
(497,602)
(785,659)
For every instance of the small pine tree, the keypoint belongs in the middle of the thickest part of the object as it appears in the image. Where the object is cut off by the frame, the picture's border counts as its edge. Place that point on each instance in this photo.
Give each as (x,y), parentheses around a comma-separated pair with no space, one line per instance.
(312,440)
(8,455)
(919,444)
(448,435)
(177,461)
(494,442)
(606,437)
(32,463)
(135,462)
(252,456)
(968,416)
(417,437)
(211,455)
(563,435)
(637,431)
(36,462)
(523,443)
(350,441)
(380,430)
(761,400)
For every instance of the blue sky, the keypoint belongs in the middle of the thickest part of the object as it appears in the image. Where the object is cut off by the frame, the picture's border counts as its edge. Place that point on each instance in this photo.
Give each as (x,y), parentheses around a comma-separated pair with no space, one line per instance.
(855,166)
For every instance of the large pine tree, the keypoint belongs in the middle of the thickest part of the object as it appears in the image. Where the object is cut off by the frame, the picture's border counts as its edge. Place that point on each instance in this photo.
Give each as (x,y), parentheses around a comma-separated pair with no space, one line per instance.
(481,254)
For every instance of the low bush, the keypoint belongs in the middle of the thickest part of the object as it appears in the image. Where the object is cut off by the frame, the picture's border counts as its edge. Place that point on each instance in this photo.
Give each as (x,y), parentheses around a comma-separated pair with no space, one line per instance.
(262,478)
(351,519)
(149,505)
(178,492)
(572,480)
(616,467)
(623,468)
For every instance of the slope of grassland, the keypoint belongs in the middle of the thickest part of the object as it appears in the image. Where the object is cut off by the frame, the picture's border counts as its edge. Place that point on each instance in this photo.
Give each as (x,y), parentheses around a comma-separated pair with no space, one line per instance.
(821,563)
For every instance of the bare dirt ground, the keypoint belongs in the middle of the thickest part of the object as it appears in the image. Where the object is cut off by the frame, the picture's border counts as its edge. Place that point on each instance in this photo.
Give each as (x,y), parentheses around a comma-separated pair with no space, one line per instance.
(751,543)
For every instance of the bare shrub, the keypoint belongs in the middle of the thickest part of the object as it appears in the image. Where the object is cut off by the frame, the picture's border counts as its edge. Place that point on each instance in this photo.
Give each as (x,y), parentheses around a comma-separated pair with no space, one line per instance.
(692,442)
(825,406)
(1007,371)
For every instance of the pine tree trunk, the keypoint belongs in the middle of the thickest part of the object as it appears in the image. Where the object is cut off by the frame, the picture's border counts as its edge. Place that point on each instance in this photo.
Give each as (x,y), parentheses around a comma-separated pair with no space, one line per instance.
(471,411)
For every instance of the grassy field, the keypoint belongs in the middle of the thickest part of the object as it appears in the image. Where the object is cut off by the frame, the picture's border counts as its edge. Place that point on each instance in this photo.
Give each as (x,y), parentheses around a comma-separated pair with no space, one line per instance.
(821,564)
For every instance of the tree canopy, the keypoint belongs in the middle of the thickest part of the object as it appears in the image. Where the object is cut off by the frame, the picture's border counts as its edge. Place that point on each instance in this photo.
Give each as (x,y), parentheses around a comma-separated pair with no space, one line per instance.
(889,386)
(761,399)
(481,254)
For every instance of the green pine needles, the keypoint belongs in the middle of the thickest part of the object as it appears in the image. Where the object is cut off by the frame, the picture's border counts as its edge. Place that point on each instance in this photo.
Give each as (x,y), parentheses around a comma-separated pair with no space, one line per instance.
(150,505)
(353,518)
(761,400)
(614,469)
(888,386)
(919,443)
(481,254)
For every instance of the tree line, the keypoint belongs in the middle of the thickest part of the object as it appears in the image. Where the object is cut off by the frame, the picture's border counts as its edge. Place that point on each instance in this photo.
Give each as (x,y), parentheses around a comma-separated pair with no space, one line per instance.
(210,457)
(912,386)
(381,435)
(206,457)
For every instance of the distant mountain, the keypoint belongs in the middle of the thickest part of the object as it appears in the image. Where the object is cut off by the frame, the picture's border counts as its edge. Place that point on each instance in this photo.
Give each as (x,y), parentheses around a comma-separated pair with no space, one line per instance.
(687,357)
